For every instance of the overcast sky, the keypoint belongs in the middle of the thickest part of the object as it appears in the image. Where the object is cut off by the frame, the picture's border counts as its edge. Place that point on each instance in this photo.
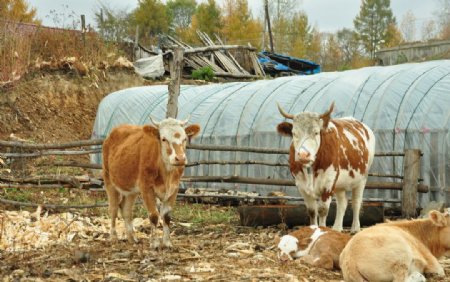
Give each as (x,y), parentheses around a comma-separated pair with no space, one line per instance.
(327,15)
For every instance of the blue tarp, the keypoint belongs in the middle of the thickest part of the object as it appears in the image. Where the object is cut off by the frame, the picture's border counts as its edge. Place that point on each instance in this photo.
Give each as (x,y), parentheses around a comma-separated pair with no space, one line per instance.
(277,64)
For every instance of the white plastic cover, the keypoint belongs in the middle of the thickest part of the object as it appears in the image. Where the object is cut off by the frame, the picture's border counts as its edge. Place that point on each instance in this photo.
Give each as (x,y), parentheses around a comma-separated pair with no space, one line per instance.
(407,106)
(150,67)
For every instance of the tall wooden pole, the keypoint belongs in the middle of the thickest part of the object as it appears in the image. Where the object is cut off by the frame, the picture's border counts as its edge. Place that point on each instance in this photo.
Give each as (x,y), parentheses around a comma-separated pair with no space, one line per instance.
(266,8)
(410,182)
(176,68)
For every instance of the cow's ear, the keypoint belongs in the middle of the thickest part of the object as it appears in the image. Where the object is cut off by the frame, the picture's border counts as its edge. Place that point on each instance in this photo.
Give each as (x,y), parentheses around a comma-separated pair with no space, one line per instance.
(151,130)
(438,218)
(325,117)
(285,128)
(192,130)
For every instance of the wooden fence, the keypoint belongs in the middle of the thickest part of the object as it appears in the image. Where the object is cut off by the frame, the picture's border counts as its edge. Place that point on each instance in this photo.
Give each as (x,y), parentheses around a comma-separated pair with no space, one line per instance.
(409,182)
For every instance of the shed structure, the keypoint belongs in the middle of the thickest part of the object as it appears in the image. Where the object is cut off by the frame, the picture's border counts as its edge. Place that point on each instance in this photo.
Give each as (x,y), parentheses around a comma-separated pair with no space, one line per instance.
(407,106)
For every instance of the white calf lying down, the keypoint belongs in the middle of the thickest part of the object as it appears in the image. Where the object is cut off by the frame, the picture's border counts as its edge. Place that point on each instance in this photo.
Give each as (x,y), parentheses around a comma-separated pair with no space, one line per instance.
(317,246)
(398,250)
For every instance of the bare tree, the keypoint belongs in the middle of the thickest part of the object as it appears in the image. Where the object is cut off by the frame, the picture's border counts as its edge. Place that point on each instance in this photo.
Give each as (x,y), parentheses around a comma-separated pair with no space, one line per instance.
(429,30)
(408,26)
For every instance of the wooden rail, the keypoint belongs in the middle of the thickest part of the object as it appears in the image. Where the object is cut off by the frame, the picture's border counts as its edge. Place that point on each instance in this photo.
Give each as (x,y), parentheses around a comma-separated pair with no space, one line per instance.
(410,185)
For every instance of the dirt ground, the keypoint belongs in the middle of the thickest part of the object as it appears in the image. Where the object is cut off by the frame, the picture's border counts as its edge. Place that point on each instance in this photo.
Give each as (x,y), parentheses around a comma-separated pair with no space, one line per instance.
(76,247)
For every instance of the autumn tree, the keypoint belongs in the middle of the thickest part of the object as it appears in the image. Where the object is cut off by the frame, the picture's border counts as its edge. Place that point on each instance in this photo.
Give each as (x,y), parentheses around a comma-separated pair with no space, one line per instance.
(298,35)
(349,46)
(207,18)
(114,25)
(444,19)
(152,18)
(18,11)
(331,54)
(372,24)
(239,27)
(408,26)
(181,12)
(393,36)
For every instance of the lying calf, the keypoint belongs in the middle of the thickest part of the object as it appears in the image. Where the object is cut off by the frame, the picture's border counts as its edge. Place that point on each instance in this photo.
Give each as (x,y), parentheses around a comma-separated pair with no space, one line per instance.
(317,246)
(398,250)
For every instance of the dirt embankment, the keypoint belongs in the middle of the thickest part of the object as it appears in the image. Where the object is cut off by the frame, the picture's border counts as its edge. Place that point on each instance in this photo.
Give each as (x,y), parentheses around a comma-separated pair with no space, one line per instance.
(58,107)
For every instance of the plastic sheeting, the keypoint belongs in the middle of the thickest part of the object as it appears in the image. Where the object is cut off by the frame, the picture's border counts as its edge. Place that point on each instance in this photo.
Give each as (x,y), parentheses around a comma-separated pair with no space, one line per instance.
(407,106)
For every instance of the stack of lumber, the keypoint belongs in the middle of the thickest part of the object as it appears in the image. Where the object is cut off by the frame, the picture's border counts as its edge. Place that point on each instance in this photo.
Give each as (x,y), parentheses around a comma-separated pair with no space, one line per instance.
(219,57)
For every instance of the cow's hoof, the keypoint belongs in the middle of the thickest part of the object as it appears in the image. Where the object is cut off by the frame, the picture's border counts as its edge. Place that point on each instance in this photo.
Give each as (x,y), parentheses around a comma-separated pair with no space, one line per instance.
(132,239)
(167,244)
(155,244)
(113,237)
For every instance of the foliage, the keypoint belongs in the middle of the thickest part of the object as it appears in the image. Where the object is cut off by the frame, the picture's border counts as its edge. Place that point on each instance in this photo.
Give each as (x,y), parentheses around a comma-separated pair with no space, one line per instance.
(372,24)
(332,55)
(349,46)
(393,36)
(204,73)
(444,19)
(208,18)
(152,18)
(114,25)
(180,12)
(17,11)
(238,25)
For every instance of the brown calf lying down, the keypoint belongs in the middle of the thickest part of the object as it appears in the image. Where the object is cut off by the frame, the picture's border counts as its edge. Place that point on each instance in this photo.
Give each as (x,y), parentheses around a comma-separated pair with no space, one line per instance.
(398,250)
(317,246)
(147,160)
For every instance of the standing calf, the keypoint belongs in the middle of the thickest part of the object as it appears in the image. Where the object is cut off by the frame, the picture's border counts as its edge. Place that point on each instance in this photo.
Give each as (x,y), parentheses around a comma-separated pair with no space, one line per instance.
(147,160)
(329,156)
(398,250)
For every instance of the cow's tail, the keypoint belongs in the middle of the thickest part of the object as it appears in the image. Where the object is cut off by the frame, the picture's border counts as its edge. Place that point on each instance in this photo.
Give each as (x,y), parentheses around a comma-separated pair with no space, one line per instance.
(350,269)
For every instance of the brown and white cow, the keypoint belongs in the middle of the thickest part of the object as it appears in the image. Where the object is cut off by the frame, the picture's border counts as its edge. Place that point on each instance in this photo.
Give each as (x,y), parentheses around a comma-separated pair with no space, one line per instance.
(398,250)
(147,160)
(317,246)
(329,156)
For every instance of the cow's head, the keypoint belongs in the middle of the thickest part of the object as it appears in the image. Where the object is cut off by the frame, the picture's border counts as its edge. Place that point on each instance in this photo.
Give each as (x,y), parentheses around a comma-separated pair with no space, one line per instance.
(442,220)
(173,136)
(305,132)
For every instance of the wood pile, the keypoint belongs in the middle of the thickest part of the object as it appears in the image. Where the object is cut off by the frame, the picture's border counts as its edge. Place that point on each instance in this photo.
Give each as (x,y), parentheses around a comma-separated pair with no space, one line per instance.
(219,57)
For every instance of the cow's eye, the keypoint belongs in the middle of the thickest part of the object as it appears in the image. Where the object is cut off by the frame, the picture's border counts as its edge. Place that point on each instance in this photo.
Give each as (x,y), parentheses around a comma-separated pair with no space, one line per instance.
(316,133)
(164,140)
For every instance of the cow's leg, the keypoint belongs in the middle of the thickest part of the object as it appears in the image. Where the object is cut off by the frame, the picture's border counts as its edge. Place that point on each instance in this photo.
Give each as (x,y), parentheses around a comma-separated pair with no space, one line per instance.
(311,207)
(323,211)
(149,198)
(357,196)
(341,205)
(114,199)
(127,214)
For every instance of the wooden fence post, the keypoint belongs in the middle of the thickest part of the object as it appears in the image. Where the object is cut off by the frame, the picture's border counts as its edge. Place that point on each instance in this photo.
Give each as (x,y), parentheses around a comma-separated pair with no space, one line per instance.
(410,182)
(176,68)
(83,29)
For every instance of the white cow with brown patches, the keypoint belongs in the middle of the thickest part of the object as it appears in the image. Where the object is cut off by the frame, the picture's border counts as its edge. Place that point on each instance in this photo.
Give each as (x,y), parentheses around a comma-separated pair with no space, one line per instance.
(329,156)
(147,160)
(398,250)
(317,246)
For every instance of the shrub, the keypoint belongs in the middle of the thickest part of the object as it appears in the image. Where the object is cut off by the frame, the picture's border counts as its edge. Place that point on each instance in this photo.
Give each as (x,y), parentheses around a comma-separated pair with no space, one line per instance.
(205,73)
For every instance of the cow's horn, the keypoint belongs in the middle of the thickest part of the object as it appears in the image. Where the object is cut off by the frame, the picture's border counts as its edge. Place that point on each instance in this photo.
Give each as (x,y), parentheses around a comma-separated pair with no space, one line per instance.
(156,123)
(183,122)
(283,113)
(327,113)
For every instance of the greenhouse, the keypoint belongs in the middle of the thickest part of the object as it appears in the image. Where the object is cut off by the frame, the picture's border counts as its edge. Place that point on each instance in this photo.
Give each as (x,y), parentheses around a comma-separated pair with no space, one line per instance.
(407,106)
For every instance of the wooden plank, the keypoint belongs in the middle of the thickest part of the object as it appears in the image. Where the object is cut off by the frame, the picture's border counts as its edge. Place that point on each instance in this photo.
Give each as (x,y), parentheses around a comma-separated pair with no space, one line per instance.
(410,183)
